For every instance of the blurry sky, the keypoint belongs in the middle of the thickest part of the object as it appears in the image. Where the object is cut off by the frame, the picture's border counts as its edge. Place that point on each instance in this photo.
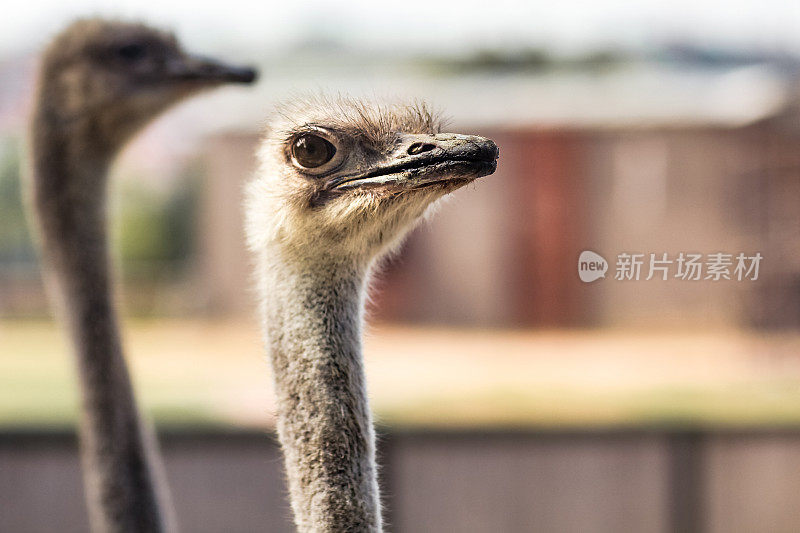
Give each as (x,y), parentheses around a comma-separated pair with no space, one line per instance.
(567,26)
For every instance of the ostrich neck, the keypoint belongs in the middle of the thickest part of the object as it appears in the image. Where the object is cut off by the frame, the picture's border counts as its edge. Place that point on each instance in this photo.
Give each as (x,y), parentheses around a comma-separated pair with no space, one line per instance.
(313,315)
(122,473)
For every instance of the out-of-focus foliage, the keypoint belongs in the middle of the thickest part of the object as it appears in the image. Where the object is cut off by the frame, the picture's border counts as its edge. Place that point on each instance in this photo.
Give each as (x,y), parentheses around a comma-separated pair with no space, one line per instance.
(153,230)
(16,249)
(527,60)
(156,231)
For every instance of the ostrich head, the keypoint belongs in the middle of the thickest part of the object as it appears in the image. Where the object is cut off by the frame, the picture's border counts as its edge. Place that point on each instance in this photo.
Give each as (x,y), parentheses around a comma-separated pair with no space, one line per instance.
(342,178)
(109,78)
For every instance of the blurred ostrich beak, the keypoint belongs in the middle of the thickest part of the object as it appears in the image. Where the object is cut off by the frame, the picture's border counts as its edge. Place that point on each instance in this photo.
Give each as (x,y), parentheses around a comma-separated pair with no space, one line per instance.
(203,69)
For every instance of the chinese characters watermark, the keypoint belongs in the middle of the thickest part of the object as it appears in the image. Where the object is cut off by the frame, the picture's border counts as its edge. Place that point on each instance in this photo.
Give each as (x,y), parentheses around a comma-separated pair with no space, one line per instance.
(683,266)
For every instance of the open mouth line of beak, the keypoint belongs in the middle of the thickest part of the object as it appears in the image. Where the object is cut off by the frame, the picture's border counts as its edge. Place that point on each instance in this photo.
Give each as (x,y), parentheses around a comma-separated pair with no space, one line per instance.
(231,76)
(406,166)
(202,69)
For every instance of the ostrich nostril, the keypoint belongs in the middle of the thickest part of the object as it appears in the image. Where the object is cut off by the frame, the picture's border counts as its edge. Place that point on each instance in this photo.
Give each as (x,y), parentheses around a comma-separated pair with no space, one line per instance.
(418,148)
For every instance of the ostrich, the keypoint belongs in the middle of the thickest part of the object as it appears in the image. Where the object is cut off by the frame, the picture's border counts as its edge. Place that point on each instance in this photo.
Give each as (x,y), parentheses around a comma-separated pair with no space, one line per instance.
(99,83)
(340,183)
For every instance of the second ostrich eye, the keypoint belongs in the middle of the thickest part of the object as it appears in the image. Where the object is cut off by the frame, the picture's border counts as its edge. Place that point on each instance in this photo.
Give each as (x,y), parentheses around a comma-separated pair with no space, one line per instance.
(131,52)
(312,151)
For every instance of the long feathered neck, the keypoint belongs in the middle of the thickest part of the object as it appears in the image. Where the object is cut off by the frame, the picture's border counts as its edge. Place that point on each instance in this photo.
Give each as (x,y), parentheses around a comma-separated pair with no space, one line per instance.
(313,314)
(122,470)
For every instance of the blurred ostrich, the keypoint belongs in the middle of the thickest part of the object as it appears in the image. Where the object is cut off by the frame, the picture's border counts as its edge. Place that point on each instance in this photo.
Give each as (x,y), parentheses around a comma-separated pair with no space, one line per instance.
(339,185)
(99,83)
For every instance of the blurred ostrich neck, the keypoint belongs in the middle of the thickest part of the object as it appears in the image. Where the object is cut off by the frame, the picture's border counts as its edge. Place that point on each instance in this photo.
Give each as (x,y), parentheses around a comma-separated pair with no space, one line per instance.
(313,316)
(121,471)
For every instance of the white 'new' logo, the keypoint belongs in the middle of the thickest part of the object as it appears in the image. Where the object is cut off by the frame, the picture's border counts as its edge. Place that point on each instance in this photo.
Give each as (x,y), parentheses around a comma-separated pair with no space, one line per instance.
(591,266)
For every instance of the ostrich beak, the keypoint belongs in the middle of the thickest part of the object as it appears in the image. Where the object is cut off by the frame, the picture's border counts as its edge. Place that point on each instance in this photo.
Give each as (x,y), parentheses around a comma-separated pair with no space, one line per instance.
(419,160)
(203,69)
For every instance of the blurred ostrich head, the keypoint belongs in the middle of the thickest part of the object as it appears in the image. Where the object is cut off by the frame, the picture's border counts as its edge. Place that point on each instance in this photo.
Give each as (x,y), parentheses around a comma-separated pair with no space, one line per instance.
(110,78)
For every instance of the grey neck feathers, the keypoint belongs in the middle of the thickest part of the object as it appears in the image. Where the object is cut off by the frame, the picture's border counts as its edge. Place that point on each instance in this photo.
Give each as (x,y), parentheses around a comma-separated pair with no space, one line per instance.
(313,316)
(122,472)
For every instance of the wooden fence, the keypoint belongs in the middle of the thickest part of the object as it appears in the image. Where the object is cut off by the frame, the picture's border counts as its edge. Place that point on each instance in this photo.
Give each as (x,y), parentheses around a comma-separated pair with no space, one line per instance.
(627,480)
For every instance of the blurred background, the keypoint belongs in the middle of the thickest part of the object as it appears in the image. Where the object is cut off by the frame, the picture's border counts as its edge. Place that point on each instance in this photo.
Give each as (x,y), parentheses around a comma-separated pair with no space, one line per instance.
(511,396)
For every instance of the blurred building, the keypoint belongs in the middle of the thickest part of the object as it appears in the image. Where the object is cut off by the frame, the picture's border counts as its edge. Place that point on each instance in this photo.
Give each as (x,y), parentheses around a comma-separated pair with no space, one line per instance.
(646,160)
(643,157)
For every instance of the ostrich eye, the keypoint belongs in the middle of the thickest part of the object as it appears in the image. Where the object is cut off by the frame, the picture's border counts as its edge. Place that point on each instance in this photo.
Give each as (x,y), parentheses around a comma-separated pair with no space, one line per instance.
(312,151)
(131,52)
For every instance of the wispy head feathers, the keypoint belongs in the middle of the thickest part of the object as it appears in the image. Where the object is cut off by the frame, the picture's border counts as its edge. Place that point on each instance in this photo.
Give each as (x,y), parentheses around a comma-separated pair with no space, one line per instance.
(376,123)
